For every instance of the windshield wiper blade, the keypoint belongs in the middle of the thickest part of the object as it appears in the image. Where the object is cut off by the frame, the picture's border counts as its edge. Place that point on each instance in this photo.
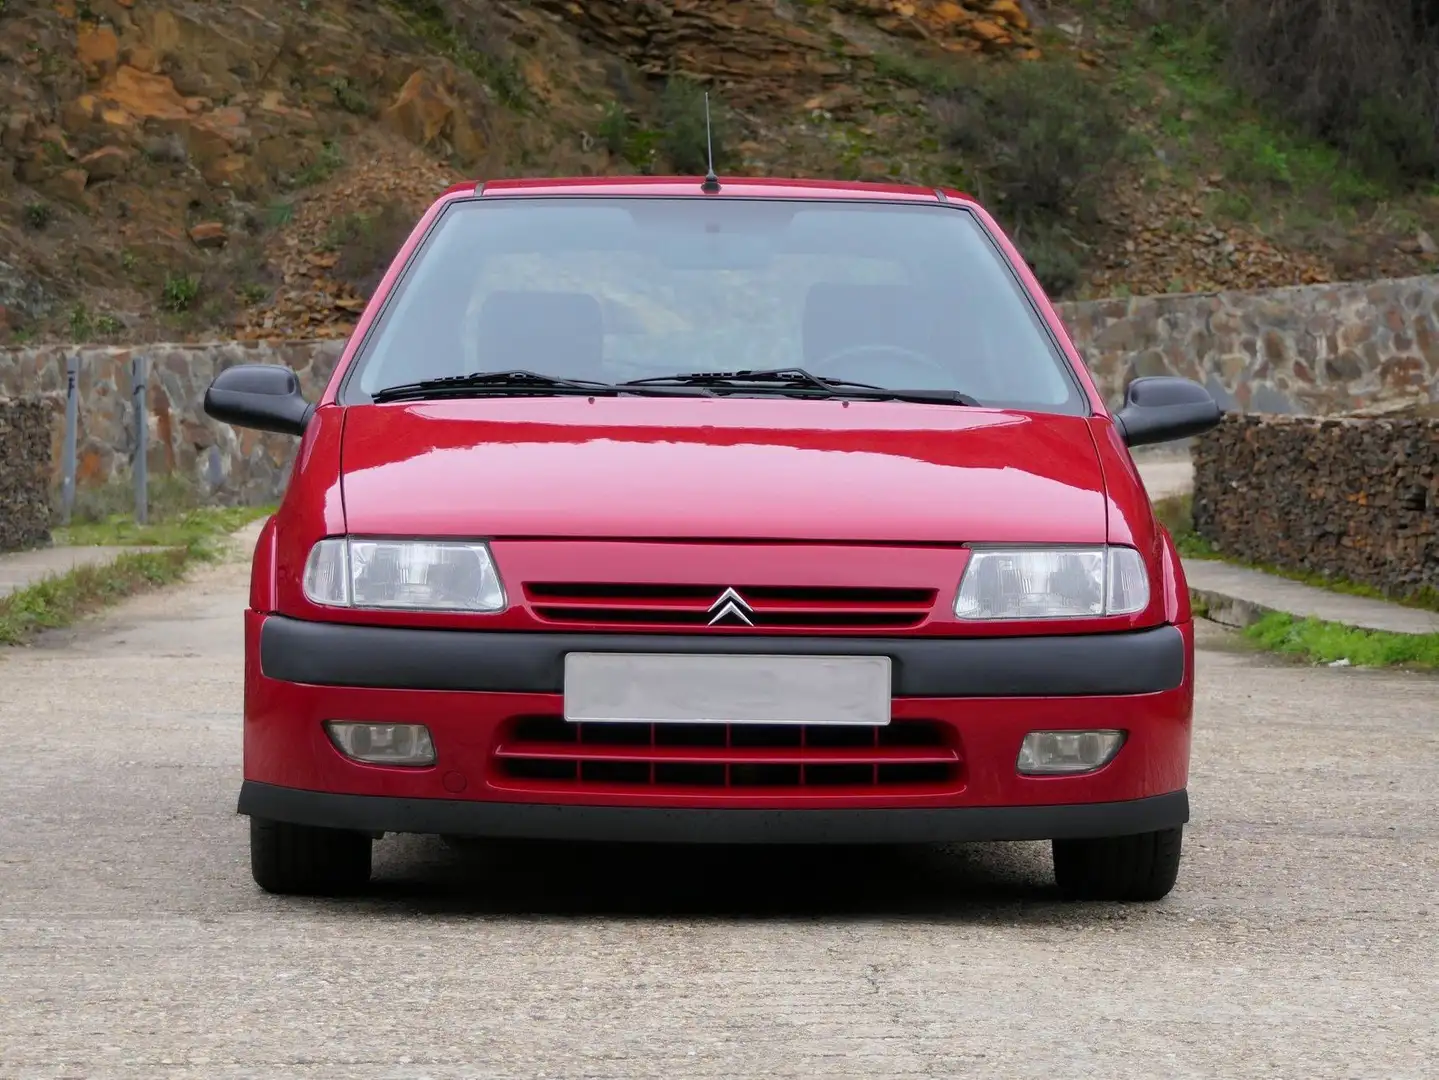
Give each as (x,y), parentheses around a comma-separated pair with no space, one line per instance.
(787,380)
(793,376)
(491,382)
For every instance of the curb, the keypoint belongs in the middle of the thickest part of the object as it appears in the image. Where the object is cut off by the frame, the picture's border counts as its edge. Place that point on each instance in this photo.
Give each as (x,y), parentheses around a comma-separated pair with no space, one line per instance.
(1231,611)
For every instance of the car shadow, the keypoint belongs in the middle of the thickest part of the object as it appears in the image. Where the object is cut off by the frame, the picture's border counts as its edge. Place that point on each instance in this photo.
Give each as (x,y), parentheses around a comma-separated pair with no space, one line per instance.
(999,882)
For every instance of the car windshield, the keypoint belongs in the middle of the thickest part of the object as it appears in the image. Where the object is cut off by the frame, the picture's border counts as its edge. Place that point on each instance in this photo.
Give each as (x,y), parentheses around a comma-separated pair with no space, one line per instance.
(901,296)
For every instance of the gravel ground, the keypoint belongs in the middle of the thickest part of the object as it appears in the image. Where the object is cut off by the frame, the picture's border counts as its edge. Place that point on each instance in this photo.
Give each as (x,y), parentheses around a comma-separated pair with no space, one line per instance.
(1300,941)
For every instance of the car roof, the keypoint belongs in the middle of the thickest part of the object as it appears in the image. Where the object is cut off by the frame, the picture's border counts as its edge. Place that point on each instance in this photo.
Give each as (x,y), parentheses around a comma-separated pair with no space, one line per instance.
(742,186)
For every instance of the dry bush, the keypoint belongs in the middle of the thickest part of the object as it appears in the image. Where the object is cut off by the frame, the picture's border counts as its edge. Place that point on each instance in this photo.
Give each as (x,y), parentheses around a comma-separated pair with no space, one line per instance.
(1041,141)
(1360,74)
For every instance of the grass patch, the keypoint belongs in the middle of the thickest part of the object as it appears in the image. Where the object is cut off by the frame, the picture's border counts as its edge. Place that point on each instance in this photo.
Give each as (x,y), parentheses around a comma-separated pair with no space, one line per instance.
(1325,642)
(1176,74)
(199,526)
(58,601)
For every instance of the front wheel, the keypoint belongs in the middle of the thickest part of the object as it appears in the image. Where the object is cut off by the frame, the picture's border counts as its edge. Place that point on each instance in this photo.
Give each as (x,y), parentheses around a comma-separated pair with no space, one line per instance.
(1142,867)
(302,860)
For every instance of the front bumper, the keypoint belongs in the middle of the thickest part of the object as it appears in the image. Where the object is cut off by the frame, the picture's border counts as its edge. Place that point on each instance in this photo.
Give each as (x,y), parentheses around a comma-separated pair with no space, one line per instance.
(470,688)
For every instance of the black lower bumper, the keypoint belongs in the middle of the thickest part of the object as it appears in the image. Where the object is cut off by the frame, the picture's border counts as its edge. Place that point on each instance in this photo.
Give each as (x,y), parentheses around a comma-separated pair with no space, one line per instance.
(404,658)
(539,821)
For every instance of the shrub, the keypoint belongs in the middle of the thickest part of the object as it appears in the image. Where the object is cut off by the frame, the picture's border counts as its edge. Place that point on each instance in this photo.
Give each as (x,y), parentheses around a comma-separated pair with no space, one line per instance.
(1042,136)
(1362,75)
(682,115)
(180,292)
(1040,140)
(367,243)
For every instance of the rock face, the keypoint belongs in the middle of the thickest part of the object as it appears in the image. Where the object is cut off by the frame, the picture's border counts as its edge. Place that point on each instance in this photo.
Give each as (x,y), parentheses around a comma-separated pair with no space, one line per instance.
(428,113)
(1354,499)
(25,475)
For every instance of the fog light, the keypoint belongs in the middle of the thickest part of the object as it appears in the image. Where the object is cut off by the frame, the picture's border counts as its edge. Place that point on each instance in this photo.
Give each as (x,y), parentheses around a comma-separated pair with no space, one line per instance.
(1047,753)
(383,744)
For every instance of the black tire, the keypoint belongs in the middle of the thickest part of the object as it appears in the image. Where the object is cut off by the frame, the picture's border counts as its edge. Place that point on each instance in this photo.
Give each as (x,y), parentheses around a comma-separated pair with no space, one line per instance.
(301,860)
(1143,867)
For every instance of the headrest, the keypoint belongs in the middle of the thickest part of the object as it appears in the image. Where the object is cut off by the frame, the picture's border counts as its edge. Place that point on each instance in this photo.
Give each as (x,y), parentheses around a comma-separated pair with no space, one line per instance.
(552,333)
(839,315)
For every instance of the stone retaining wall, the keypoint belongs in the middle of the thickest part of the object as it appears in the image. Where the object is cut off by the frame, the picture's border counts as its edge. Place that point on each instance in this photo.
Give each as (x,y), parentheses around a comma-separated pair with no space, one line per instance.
(1346,498)
(1316,350)
(230,465)
(1313,350)
(25,471)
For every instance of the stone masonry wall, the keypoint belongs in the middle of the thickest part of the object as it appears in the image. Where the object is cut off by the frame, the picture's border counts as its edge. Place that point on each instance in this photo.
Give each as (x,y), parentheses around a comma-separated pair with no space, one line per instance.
(24,472)
(231,465)
(1315,350)
(1346,498)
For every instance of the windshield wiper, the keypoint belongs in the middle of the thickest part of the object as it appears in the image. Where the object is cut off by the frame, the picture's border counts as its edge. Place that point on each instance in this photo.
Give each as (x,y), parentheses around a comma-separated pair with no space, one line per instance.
(790,380)
(491,382)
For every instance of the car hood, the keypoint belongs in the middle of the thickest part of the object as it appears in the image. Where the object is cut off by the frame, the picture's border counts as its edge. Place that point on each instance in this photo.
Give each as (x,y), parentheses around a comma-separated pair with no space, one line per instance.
(709,468)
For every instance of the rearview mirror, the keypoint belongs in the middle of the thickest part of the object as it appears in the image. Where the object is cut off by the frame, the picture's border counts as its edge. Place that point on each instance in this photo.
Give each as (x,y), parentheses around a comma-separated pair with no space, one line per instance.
(1163,408)
(265,397)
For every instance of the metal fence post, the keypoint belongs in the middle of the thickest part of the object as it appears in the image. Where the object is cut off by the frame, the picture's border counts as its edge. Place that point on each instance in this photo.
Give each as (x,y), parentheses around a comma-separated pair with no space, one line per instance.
(139,373)
(72,418)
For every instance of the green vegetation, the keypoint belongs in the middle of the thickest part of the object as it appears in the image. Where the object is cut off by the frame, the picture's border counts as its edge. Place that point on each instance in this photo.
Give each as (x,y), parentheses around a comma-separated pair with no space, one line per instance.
(1325,642)
(326,164)
(1037,142)
(192,537)
(179,292)
(38,215)
(1362,76)
(682,120)
(1206,126)
(469,39)
(626,139)
(198,526)
(366,244)
(349,97)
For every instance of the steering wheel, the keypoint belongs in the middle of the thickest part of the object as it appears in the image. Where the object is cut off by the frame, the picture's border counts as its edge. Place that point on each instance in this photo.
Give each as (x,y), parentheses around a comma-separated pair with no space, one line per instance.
(893,352)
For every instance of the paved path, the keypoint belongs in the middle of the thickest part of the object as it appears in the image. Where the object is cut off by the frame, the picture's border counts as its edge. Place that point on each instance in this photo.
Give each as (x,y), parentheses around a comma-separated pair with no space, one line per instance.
(1237,596)
(23,568)
(1299,943)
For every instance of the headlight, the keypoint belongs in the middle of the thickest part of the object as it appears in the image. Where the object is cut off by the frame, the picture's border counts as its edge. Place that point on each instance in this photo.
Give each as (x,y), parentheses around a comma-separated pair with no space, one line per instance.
(1052,583)
(414,575)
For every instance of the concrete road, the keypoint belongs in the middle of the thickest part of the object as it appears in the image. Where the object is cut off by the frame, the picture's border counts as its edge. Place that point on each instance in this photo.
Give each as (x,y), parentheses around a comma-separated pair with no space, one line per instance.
(1300,942)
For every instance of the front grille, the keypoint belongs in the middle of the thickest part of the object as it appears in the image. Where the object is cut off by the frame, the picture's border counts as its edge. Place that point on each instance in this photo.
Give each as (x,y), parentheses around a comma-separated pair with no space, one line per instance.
(778,607)
(549,752)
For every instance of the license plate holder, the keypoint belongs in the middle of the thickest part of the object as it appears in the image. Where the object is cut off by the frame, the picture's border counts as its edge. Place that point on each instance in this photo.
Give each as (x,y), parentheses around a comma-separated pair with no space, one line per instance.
(702,688)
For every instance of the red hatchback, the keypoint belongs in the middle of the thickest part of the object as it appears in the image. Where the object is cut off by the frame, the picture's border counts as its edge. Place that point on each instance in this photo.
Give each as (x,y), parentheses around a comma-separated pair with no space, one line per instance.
(780,513)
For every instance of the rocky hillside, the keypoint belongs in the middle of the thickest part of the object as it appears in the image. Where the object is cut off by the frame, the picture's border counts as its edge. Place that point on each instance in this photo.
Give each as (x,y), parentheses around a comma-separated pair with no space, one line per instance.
(184,168)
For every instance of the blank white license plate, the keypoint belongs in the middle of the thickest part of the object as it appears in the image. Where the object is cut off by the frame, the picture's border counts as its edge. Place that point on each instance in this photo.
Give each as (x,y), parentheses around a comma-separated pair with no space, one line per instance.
(703,689)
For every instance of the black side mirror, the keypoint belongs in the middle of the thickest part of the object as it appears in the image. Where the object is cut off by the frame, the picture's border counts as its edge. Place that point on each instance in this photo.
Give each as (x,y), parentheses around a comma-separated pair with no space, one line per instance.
(1163,408)
(265,397)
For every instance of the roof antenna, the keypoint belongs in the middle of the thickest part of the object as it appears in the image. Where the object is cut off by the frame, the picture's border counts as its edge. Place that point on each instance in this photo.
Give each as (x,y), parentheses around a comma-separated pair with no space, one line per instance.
(711,184)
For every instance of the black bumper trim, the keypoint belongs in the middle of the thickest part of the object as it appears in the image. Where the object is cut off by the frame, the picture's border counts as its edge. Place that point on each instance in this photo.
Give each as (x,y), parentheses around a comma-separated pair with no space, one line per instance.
(643,824)
(340,654)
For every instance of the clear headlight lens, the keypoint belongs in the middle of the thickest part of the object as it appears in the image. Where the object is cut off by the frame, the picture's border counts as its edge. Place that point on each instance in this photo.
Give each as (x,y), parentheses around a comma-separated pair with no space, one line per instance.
(415,575)
(1052,583)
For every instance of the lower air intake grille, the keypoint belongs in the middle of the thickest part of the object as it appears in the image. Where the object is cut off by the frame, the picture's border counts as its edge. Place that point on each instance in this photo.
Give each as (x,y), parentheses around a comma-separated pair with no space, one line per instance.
(908,755)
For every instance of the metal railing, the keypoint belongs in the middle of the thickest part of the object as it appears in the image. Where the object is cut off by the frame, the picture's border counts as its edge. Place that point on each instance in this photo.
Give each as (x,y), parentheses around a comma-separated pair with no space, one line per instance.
(139,456)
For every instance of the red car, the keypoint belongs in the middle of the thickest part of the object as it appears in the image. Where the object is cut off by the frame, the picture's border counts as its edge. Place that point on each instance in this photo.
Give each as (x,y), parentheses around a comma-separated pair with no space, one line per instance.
(759,512)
